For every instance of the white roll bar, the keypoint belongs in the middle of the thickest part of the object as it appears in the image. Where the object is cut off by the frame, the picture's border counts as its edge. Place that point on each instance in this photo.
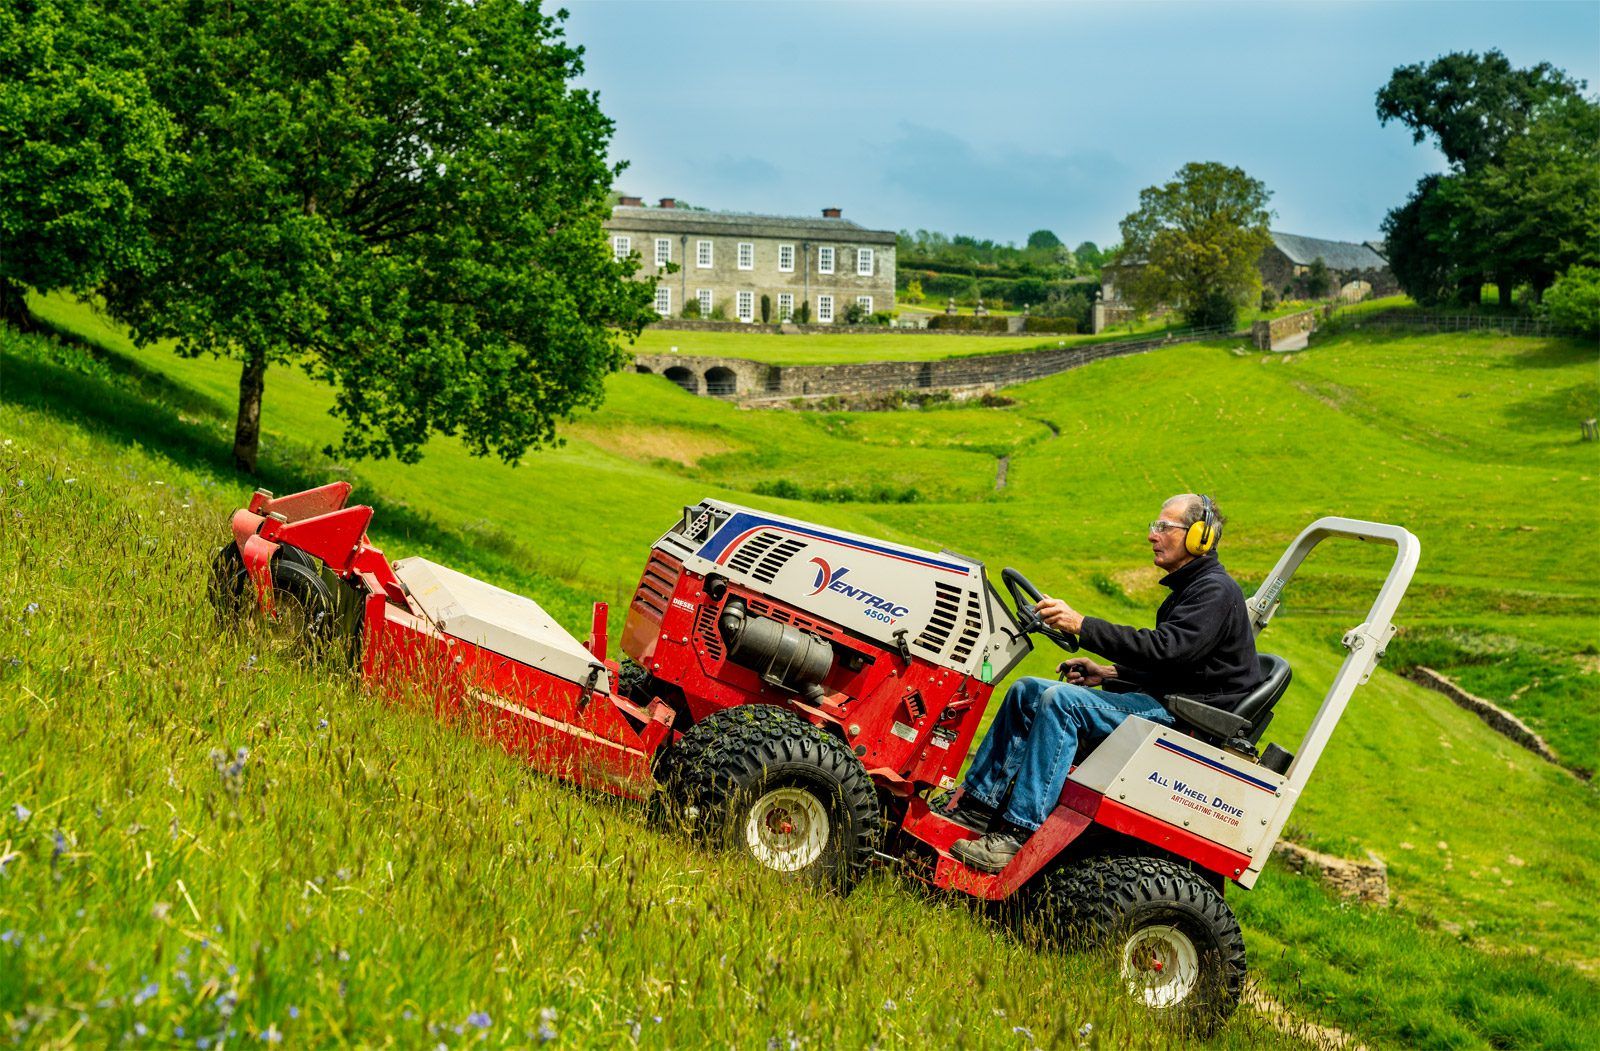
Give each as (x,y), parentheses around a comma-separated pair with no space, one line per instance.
(1365,642)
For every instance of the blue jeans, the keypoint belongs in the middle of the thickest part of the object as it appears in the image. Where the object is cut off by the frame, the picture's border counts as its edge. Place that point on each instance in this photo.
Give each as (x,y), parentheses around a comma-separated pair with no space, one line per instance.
(1035,739)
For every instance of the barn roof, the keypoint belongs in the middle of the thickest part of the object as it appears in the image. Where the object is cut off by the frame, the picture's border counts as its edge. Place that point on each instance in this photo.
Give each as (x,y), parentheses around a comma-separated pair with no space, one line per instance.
(1337,255)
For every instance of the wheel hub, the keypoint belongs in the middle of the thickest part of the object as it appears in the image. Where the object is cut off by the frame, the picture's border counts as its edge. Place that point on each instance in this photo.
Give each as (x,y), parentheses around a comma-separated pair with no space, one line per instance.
(1160,965)
(787,829)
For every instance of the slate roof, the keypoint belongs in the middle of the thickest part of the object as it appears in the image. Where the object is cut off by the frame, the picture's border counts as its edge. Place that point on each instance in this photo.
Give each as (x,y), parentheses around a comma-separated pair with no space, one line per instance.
(1338,255)
(687,220)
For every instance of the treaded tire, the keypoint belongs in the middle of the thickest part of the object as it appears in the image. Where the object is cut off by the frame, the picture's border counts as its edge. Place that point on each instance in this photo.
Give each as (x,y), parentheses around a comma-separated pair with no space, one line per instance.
(309,605)
(783,791)
(1174,940)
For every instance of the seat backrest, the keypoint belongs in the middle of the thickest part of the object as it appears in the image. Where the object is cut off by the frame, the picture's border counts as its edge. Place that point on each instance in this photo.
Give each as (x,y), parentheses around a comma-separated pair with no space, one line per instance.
(1255,705)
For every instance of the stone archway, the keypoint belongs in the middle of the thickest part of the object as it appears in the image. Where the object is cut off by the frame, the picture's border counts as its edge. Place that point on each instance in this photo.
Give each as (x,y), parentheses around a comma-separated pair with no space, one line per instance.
(721,382)
(683,378)
(645,369)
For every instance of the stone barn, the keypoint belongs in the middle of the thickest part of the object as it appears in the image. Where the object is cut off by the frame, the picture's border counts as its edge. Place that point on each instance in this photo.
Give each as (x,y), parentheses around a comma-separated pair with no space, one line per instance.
(1355,270)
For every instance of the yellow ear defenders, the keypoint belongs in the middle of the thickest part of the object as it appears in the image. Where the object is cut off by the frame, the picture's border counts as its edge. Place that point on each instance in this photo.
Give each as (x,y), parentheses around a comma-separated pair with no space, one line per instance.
(1204,534)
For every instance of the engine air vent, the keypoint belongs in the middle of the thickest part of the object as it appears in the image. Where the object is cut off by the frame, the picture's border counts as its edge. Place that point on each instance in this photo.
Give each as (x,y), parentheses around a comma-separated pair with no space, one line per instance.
(705,625)
(657,584)
(767,569)
(946,609)
(751,550)
(971,630)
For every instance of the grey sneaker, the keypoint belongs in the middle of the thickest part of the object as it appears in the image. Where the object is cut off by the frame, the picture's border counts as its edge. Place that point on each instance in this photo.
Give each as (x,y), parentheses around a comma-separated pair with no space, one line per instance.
(968,813)
(989,853)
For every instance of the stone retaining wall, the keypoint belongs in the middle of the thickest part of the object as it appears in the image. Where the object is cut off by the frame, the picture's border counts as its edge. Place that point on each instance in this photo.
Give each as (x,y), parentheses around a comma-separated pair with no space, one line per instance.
(754,381)
(1265,333)
(1499,720)
(1366,881)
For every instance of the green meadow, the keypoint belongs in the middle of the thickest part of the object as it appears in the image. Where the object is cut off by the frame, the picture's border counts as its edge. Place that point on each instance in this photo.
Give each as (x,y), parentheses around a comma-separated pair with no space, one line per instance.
(388,878)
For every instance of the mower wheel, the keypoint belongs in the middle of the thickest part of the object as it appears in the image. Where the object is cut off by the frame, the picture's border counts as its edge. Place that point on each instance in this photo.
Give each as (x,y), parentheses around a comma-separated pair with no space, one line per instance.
(306,606)
(1175,942)
(786,792)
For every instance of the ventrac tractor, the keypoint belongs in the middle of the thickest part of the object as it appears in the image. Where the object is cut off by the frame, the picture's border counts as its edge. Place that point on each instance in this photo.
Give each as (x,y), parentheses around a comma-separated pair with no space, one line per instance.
(802,694)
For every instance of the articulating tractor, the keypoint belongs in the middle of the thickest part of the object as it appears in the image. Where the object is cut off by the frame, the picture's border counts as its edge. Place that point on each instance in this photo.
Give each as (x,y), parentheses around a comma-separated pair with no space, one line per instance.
(803,694)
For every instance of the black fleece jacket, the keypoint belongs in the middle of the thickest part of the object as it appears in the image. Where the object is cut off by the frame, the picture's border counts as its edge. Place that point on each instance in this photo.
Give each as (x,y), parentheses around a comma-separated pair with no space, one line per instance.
(1201,646)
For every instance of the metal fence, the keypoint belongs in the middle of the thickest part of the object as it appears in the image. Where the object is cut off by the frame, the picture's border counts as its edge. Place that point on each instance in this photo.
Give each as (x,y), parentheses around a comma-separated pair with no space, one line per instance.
(1511,325)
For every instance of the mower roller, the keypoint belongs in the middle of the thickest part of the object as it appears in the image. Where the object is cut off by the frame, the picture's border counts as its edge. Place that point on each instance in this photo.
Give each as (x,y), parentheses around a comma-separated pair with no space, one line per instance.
(802,693)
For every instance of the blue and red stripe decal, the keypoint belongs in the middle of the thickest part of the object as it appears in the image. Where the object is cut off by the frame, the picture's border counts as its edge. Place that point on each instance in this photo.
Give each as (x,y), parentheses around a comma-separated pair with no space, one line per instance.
(1213,764)
(742,526)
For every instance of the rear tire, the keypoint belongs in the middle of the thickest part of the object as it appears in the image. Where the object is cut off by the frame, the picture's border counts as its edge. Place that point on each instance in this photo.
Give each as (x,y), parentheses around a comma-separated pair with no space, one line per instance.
(781,790)
(307,607)
(1175,943)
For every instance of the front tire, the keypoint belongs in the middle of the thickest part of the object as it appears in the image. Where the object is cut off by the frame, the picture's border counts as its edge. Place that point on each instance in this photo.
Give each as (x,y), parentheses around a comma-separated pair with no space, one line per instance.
(782,791)
(1176,944)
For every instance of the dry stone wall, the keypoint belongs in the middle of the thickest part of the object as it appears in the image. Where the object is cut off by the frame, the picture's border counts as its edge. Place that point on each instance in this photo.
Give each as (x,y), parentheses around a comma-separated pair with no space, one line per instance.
(755,382)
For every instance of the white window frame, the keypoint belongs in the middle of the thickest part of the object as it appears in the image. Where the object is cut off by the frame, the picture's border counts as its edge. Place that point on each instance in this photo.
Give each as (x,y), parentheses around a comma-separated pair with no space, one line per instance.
(702,255)
(664,300)
(785,306)
(747,255)
(620,247)
(824,310)
(786,259)
(864,301)
(745,306)
(863,262)
(663,251)
(707,304)
(825,259)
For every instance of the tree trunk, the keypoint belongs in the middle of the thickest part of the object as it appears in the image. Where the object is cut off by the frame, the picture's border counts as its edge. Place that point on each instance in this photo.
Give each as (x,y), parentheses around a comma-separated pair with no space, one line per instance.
(14,306)
(1507,286)
(1470,289)
(247,432)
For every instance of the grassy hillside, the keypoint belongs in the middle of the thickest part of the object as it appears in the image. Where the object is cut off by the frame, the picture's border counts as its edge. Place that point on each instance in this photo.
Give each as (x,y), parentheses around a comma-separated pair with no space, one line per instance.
(1490,855)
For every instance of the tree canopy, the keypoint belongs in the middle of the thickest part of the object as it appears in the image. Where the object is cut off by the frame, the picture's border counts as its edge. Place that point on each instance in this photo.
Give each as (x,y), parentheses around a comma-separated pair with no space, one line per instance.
(1194,243)
(83,149)
(1521,202)
(1043,239)
(404,200)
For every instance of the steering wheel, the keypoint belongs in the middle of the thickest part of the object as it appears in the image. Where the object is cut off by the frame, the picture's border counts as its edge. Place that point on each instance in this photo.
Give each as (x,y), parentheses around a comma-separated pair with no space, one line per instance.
(1025,596)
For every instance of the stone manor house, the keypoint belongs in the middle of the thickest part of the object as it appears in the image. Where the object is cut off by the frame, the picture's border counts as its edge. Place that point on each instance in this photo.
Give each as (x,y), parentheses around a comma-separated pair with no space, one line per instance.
(730,260)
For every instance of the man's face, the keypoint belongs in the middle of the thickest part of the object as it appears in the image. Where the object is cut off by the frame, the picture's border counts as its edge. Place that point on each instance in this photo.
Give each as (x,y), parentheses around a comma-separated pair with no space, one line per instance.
(1166,539)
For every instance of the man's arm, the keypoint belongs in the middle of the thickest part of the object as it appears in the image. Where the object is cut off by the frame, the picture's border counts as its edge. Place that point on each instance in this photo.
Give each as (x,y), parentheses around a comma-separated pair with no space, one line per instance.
(1186,635)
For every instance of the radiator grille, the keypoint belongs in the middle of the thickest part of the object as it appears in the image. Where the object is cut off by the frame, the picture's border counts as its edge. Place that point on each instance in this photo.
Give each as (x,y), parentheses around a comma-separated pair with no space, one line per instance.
(764,554)
(751,550)
(776,559)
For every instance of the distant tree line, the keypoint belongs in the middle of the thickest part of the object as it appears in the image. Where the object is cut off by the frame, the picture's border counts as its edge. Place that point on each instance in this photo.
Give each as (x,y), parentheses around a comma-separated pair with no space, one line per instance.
(1519,204)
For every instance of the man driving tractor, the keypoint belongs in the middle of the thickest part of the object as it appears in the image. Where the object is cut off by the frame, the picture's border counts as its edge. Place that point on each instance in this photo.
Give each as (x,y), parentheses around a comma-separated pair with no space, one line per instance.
(1202,647)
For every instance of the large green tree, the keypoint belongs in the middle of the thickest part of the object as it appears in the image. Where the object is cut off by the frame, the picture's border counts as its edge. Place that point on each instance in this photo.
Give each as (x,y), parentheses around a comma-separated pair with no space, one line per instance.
(404,199)
(84,148)
(1471,105)
(1520,191)
(1194,243)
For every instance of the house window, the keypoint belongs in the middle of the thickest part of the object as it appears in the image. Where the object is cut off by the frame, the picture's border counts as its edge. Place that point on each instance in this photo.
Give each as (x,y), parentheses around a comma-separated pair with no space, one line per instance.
(664,300)
(620,247)
(786,305)
(747,256)
(825,309)
(747,306)
(825,260)
(865,303)
(864,262)
(704,296)
(702,254)
(663,251)
(786,258)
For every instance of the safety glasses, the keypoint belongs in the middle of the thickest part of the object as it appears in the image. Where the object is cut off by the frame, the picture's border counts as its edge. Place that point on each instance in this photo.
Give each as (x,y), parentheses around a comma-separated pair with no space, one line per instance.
(1161,525)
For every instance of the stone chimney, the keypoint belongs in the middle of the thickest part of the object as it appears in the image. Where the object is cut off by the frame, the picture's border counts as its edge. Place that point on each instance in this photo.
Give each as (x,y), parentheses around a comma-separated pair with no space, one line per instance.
(830,213)
(669,202)
(631,202)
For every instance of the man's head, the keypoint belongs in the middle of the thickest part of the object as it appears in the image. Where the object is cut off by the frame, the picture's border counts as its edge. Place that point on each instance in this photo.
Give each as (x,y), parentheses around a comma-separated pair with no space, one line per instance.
(1169,530)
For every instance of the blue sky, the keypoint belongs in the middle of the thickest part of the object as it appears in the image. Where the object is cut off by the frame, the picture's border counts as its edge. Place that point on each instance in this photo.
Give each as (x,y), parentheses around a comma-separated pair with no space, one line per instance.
(996,119)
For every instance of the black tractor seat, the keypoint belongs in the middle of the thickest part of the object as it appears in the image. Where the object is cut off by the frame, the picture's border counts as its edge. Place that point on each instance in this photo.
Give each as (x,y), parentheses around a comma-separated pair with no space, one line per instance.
(1235,721)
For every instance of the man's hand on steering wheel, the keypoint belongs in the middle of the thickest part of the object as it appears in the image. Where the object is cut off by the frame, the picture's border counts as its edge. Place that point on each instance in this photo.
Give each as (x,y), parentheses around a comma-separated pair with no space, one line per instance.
(1058,615)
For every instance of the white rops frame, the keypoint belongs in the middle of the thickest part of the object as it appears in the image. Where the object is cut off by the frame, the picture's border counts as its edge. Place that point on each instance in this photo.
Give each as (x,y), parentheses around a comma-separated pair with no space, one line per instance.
(1365,642)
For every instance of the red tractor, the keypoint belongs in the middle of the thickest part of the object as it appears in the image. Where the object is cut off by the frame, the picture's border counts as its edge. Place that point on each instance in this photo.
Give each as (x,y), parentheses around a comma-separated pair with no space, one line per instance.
(801,692)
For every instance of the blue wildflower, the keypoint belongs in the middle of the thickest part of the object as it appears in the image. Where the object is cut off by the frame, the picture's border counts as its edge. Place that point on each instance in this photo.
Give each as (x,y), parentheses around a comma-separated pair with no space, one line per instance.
(202,1042)
(61,845)
(294,1012)
(271,1035)
(11,937)
(140,1029)
(480,1019)
(21,812)
(178,1032)
(148,992)
(546,1033)
(31,608)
